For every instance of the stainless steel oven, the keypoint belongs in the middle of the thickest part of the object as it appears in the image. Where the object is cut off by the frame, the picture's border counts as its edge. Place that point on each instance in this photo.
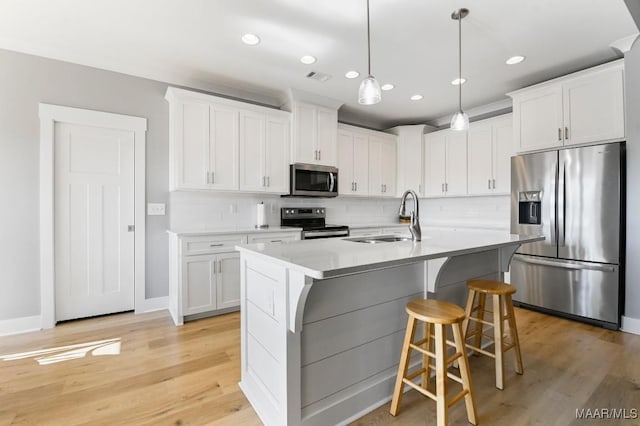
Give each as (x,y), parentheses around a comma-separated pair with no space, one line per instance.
(312,222)
(311,180)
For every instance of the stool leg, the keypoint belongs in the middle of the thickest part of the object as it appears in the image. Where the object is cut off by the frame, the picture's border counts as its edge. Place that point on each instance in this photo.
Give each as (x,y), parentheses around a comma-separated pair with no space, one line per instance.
(497,340)
(441,376)
(467,313)
(403,366)
(514,333)
(482,299)
(464,374)
(425,358)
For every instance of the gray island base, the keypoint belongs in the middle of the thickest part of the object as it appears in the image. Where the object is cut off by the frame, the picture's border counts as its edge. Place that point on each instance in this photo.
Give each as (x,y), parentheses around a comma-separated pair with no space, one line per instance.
(322,321)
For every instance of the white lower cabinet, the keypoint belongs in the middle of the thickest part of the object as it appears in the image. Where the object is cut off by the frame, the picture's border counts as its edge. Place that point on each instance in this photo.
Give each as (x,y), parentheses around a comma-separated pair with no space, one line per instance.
(204,271)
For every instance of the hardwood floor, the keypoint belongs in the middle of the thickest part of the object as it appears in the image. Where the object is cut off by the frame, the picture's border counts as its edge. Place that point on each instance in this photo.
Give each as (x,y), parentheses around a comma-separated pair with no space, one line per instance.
(166,375)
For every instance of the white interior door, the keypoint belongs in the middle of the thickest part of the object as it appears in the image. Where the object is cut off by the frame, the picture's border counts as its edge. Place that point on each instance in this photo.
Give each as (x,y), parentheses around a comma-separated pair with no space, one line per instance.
(94,206)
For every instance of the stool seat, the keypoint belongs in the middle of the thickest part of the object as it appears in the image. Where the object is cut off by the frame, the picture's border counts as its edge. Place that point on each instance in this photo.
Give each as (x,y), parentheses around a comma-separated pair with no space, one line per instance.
(435,311)
(490,287)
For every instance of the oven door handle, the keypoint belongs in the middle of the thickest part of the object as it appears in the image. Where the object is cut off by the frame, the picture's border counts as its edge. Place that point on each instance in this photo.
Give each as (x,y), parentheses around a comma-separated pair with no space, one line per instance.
(332,181)
(312,234)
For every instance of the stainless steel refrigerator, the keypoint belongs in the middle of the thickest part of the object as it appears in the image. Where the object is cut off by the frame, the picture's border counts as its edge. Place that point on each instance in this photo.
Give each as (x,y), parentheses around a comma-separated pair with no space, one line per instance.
(575,197)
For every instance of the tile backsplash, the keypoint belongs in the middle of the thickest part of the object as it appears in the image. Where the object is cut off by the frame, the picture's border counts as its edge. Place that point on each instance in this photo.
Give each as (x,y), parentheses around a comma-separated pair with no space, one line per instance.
(197,210)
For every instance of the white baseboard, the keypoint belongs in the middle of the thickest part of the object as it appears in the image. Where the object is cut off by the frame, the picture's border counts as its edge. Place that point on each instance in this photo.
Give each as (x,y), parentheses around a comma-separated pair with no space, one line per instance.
(630,325)
(153,304)
(20,325)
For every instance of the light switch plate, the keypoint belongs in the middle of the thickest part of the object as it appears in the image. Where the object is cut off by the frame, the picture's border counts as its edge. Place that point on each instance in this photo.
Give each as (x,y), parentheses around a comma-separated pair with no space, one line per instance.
(155,209)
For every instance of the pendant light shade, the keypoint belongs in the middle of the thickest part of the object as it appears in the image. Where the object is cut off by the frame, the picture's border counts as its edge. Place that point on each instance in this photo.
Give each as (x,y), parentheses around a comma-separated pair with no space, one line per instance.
(369,92)
(460,120)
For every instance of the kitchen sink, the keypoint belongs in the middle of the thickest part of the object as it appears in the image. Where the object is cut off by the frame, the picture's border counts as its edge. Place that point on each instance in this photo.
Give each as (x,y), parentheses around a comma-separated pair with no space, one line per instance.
(379,239)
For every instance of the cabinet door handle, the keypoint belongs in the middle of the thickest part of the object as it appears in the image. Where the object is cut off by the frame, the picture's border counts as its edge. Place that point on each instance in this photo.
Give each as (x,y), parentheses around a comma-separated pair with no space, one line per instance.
(219,266)
(215,267)
(442,190)
(216,245)
(268,180)
(488,183)
(208,178)
(356,184)
(446,187)
(566,133)
(276,241)
(319,154)
(559,134)
(494,183)
(213,178)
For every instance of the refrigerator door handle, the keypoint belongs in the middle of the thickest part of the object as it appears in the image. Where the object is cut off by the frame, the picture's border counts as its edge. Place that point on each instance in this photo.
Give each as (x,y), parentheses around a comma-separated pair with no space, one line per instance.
(565,265)
(562,208)
(552,213)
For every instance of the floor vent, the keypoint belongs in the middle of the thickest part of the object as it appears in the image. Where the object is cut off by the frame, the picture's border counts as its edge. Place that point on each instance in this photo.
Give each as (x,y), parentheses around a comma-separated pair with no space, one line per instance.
(320,76)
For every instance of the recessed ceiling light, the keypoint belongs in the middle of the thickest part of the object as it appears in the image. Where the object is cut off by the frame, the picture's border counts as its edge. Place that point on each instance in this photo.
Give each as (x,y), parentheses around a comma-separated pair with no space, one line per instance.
(458,81)
(250,39)
(387,86)
(416,97)
(514,60)
(352,74)
(308,59)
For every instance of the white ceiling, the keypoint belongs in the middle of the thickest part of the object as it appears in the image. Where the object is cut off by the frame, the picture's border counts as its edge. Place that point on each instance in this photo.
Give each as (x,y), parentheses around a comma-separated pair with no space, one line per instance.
(196,43)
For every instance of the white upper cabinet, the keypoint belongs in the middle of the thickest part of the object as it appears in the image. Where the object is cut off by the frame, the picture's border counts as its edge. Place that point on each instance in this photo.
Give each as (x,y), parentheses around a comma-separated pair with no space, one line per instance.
(224,145)
(366,162)
(353,163)
(204,148)
(410,158)
(445,163)
(264,152)
(314,134)
(490,147)
(581,108)
(382,165)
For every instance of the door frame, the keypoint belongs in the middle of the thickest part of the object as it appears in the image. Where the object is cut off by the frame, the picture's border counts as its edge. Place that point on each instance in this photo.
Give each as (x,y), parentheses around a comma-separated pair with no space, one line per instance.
(49,116)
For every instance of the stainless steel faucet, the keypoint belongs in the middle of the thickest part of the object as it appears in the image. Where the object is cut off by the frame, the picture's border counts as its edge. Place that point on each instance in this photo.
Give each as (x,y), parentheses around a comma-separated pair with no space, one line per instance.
(414,226)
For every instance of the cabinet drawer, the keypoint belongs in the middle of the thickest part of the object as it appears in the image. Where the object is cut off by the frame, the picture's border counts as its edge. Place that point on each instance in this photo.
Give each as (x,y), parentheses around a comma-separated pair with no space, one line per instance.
(211,244)
(274,238)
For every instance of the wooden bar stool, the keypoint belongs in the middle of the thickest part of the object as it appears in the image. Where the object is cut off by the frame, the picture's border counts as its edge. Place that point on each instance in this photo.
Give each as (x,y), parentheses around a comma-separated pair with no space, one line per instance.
(435,315)
(502,309)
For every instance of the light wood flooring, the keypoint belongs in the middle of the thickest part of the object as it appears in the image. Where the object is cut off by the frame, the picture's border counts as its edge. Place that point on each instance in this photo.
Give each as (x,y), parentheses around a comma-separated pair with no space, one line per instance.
(166,375)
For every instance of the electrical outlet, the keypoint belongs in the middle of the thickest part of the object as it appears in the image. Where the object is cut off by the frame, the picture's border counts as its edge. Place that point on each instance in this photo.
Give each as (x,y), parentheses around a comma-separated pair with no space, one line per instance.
(155,209)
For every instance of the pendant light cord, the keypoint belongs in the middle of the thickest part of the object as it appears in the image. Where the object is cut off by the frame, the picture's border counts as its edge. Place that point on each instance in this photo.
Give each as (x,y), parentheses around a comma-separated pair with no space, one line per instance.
(459,59)
(368,41)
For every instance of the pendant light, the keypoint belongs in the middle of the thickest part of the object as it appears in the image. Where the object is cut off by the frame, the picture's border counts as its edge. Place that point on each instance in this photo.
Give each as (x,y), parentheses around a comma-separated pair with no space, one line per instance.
(369,92)
(460,120)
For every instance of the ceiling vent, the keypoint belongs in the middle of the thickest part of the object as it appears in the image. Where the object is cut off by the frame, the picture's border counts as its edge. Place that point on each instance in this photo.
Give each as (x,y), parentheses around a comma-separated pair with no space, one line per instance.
(320,76)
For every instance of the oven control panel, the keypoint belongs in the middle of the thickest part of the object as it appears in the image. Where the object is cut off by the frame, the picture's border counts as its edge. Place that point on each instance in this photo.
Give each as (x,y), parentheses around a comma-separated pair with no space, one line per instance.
(303,212)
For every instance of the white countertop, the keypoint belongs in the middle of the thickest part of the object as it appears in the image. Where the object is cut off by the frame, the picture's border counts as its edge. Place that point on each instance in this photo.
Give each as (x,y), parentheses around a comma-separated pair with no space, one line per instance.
(376,225)
(231,230)
(326,258)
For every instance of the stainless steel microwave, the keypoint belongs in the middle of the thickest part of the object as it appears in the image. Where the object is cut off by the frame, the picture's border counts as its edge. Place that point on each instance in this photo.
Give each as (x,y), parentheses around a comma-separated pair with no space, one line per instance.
(311,180)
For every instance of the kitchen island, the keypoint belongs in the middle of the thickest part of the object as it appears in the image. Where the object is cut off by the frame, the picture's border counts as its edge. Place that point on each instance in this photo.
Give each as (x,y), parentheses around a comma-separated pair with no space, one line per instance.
(322,321)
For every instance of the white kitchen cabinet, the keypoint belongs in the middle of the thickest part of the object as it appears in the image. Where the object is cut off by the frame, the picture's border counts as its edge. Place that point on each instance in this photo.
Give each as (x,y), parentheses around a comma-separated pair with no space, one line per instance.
(314,134)
(382,165)
(264,152)
(410,150)
(489,144)
(276,237)
(580,108)
(204,146)
(353,163)
(445,163)
(204,274)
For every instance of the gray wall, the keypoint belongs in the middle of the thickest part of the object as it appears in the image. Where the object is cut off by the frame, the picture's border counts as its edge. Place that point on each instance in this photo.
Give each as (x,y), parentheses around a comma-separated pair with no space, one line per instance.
(632,93)
(26,81)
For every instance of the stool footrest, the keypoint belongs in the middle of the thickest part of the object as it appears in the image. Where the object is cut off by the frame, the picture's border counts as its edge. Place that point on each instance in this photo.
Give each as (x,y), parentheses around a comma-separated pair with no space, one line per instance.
(457,398)
(455,378)
(482,351)
(415,374)
(481,321)
(420,389)
(424,351)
